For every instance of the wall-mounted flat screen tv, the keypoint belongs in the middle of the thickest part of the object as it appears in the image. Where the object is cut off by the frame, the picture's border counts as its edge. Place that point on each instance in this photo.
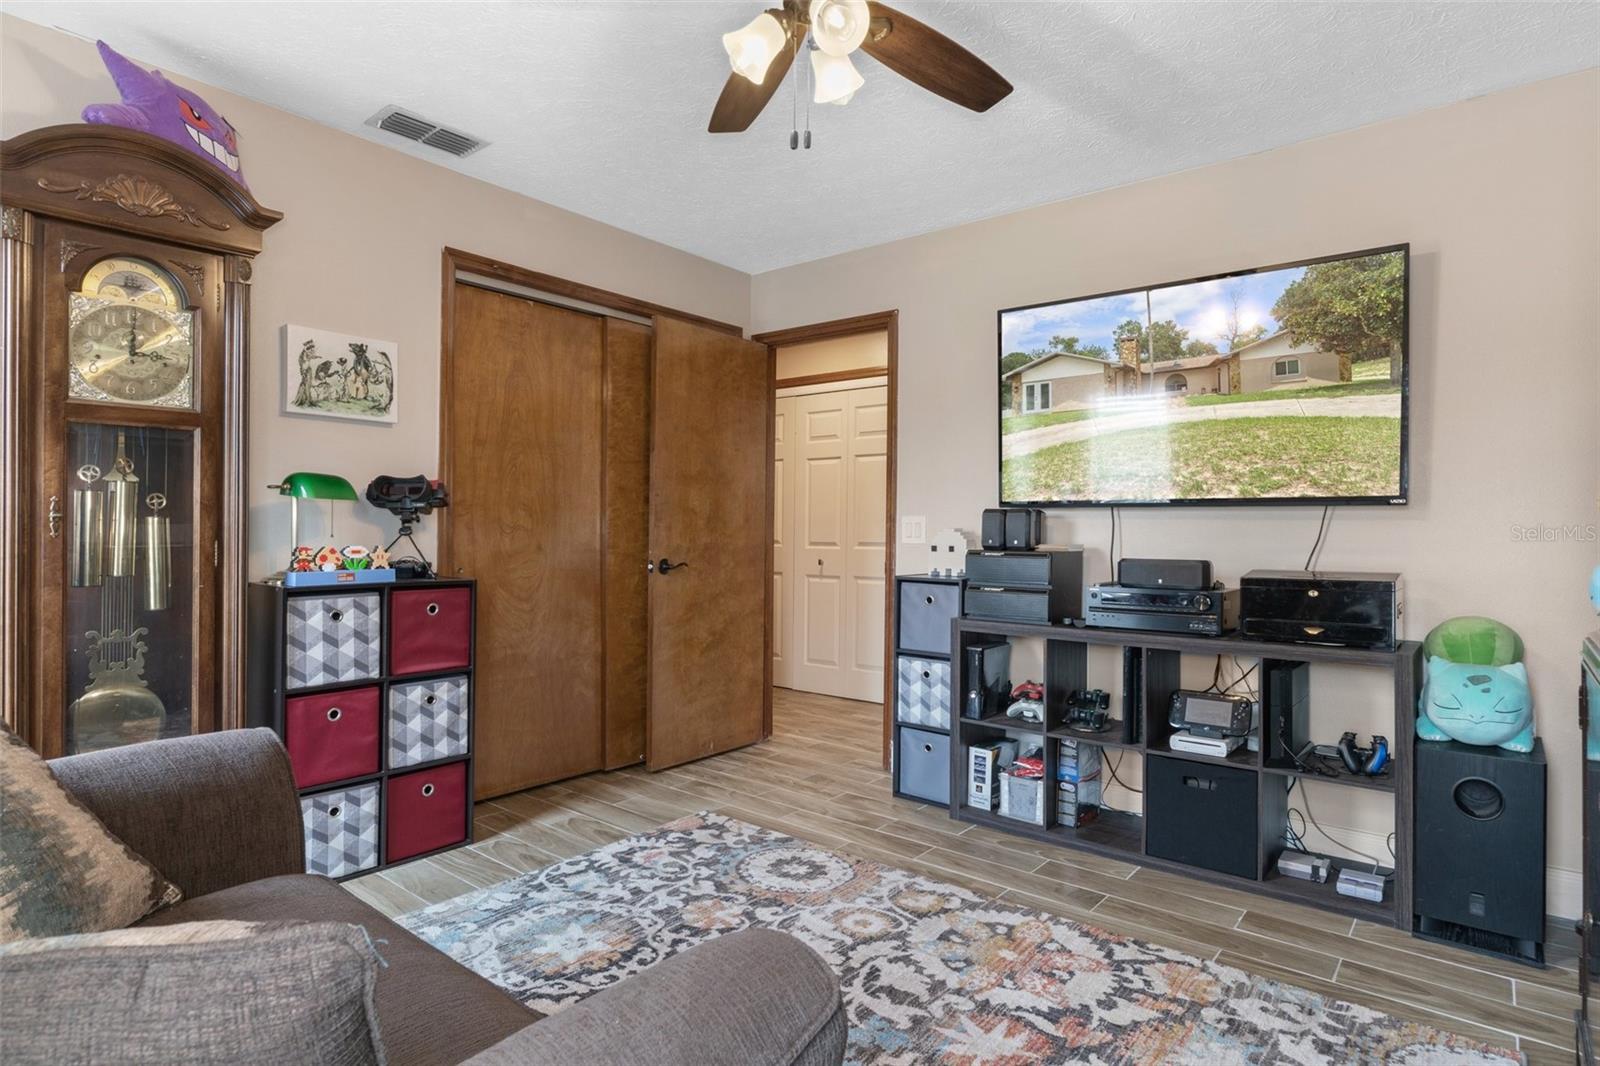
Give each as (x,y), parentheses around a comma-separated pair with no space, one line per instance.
(1283,384)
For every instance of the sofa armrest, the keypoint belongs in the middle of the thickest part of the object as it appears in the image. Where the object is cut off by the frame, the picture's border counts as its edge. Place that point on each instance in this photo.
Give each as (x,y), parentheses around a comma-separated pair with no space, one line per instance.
(752,998)
(208,811)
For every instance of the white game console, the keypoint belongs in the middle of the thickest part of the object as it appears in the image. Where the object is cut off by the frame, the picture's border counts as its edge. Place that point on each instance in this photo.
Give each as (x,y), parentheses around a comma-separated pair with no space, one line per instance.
(1217,747)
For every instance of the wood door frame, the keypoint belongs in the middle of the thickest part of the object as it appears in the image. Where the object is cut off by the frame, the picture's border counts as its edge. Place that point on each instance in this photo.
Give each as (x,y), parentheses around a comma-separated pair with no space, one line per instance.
(888,323)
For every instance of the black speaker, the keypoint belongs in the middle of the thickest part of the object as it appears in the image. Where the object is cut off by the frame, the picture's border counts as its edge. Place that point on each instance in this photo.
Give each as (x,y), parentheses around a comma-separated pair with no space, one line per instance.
(994,527)
(1285,709)
(1202,815)
(1165,573)
(1024,528)
(1480,851)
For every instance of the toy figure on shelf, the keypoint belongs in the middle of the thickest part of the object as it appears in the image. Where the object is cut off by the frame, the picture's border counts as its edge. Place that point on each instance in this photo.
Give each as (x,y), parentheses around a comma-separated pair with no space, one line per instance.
(356,557)
(304,561)
(380,558)
(329,558)
(1476,690)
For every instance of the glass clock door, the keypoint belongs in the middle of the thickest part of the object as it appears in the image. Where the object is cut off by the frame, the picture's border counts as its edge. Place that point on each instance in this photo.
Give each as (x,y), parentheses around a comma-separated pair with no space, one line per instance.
(130,617)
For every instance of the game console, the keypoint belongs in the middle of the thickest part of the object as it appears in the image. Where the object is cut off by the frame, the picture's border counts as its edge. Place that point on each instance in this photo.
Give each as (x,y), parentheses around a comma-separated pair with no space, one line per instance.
(1362,884)
(1305,867)
(984,763)
(1216,747)
(1211,714)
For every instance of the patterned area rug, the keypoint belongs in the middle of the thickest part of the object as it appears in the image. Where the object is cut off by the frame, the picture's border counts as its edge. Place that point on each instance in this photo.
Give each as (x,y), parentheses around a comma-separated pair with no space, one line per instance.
(932,973)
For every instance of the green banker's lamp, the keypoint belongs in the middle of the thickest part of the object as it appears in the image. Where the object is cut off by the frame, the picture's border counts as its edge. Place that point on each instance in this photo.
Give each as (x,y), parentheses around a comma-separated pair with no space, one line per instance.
(306,486)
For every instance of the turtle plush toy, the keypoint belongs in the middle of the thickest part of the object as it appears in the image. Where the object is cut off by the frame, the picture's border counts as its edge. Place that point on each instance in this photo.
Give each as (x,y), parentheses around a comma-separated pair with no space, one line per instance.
(1476,690)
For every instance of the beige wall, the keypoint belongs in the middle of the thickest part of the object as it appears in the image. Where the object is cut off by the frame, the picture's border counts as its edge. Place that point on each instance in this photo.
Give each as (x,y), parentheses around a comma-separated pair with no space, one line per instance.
(1498,197)
(863,351)
(358,252)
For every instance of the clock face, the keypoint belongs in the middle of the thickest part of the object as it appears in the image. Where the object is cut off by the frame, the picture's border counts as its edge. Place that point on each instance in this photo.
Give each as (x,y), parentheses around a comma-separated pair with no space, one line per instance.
(130,339)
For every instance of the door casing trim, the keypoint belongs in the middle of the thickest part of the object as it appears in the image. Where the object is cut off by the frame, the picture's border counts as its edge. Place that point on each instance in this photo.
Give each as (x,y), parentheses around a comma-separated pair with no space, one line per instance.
(886,322)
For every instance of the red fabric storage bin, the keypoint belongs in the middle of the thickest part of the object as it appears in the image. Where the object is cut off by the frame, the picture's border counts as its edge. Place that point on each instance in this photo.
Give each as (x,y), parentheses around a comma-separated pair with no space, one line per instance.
(426,810)
(430,629)
(333,735)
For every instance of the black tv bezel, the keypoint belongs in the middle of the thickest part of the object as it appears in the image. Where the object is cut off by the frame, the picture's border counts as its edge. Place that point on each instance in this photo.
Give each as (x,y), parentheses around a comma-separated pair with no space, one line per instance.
(1400,500)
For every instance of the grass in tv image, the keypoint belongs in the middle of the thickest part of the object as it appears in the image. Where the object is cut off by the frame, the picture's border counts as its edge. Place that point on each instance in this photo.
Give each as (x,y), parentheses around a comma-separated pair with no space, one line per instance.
(1280,384)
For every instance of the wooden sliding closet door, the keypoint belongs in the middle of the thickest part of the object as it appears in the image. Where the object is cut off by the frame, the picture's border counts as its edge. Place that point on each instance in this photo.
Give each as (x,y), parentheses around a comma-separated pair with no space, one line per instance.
(627,539)
(711,464)
(523,400)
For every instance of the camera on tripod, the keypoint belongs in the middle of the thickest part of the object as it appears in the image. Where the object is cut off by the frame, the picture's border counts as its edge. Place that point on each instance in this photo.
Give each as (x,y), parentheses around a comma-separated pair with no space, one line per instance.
(408,499)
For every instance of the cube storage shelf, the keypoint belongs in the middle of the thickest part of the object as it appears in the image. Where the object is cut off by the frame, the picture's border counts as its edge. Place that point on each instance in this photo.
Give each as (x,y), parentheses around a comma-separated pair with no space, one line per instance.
(370,689)
(1245,791)
(924,697)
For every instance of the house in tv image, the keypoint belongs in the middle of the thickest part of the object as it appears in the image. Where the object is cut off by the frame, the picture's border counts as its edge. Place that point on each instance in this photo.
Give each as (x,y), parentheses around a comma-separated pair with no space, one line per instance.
(1066,381)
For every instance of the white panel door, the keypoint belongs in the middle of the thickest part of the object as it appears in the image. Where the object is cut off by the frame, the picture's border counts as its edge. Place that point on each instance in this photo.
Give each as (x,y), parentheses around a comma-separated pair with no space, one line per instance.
(839,460)
(783,544)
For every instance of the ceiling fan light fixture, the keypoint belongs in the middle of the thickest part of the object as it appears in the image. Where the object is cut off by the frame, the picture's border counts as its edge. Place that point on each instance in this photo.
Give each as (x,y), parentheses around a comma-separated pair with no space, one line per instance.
(752,48)
(839,26)
(836,78)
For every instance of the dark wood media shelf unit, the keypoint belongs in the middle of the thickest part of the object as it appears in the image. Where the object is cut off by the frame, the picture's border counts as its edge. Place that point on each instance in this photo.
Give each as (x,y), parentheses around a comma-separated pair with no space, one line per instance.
(1126,835)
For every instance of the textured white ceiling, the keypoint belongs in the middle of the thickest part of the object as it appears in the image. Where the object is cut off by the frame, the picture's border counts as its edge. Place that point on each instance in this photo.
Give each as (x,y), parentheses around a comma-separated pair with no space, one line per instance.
(600,106)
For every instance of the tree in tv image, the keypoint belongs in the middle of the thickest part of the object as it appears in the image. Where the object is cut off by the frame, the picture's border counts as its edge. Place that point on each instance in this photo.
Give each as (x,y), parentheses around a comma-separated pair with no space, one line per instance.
(1276,384)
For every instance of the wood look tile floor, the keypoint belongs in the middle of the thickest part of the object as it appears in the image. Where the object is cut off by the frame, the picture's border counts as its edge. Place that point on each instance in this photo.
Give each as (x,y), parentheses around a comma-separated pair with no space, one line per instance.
(819,779)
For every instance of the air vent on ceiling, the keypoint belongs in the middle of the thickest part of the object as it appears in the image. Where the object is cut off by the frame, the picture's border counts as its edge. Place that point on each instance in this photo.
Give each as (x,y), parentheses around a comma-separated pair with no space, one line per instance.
(403,123)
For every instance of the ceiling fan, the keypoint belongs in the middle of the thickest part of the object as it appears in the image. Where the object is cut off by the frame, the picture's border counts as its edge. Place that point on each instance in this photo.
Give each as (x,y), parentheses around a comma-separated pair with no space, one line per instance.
(763,51)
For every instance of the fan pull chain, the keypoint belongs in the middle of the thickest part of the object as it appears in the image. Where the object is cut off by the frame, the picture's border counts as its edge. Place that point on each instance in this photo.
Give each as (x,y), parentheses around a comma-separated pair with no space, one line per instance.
(794,96)
(810,91)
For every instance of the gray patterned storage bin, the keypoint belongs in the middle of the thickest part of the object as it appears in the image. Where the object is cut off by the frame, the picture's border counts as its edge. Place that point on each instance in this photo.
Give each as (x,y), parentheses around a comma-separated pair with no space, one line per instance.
(334,639)
(341,830)
(923,692)
(427,720)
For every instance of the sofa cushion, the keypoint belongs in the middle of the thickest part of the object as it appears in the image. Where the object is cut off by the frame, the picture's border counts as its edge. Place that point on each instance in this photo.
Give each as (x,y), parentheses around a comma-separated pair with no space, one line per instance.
(752,998)
(61,869)
(198,993)
(431,1009)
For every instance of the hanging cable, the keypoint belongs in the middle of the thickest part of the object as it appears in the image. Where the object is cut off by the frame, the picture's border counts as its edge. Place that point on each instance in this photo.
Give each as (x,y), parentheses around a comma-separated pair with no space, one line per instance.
(1322,533)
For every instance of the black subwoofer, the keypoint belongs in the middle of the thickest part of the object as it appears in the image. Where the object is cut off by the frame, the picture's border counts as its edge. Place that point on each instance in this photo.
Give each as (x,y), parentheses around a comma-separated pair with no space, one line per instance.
(1480,847)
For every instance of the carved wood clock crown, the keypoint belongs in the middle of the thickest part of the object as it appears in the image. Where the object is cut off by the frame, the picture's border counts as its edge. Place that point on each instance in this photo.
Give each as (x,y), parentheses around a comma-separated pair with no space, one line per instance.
(125,293)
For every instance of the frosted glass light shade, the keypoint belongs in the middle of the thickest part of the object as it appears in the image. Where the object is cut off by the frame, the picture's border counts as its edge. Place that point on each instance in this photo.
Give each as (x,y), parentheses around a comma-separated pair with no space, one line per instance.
(839,26)
(752,49)
(836,78)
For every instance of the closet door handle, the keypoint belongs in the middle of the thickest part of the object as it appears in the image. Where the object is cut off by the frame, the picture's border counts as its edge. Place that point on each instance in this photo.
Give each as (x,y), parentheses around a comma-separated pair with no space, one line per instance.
(667,566)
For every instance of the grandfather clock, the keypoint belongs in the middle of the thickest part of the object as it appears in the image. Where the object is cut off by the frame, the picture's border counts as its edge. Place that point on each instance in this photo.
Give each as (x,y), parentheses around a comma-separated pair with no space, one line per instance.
(125,285)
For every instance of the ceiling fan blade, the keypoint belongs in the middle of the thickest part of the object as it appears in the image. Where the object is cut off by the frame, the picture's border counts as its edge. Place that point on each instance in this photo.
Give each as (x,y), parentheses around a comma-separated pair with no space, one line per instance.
(742,100)
(919,53)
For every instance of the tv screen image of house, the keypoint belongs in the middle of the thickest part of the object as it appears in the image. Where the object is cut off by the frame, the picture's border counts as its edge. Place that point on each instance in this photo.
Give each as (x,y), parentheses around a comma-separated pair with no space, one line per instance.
(1282,384)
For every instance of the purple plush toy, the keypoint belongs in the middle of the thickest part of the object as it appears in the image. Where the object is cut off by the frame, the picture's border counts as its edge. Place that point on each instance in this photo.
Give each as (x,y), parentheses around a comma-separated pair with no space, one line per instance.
(153,104)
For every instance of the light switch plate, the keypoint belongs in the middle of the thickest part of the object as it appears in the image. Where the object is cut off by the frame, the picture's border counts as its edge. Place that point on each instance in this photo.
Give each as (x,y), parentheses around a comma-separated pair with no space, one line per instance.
(913,529)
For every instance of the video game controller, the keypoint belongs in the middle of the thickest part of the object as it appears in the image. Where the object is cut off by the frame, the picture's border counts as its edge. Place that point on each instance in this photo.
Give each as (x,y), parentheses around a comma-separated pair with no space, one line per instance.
(1370,761)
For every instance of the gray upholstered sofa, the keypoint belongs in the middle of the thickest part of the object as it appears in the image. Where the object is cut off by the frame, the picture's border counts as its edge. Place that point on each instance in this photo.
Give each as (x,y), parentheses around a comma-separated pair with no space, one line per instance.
(217,814)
